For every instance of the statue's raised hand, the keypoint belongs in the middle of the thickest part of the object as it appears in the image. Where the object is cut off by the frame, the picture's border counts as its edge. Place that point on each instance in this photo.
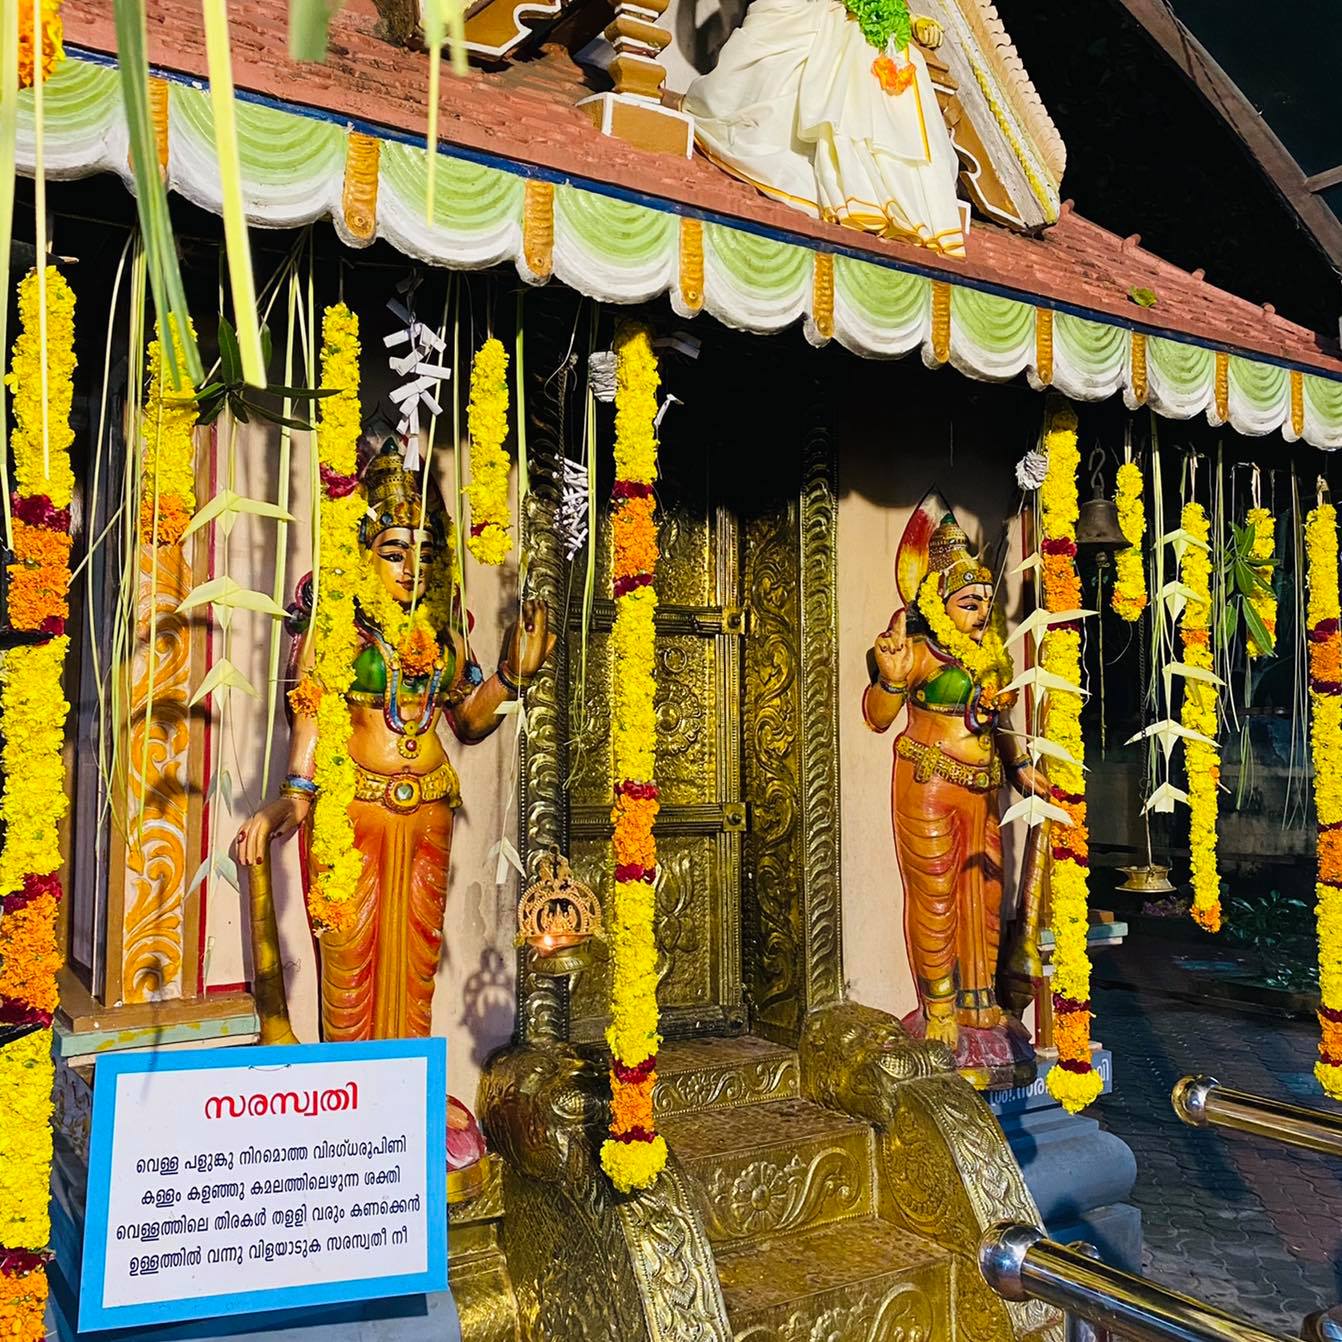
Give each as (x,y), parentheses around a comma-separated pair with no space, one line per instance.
(894,652)
(531,641)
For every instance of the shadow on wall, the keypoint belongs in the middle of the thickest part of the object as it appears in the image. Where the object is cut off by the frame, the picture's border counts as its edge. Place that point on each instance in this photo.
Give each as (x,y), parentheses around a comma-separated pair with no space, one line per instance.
(701,29)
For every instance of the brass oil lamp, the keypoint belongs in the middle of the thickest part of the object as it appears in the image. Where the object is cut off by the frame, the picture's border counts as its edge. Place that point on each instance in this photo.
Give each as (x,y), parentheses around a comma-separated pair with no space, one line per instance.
(558,916)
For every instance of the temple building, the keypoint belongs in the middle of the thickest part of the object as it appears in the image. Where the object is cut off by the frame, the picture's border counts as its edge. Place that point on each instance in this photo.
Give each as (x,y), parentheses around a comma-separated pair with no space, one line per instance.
(688,588)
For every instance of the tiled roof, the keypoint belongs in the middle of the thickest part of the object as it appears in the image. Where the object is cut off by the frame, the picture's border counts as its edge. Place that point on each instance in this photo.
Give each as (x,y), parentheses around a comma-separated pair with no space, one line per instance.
(526,114)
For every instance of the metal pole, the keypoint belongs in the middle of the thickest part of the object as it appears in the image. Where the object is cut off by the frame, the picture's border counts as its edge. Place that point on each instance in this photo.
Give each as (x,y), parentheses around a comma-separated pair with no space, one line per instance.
(1019,1263)
(1075,1327)
(1201,1101)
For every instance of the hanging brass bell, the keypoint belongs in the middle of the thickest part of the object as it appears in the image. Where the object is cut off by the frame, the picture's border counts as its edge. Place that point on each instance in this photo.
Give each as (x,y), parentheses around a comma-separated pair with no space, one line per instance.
(1097,529)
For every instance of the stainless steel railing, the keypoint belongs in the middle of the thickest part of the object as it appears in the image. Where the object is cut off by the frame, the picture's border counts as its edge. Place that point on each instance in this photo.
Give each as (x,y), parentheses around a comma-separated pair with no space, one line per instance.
(1020,1263)
(1201,1101)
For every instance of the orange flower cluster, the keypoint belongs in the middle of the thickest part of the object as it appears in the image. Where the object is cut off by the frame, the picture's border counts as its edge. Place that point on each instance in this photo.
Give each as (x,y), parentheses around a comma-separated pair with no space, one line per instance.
(1071,1033)
(1325,660)
(893,79)
(23,1306)
(305,698)
(1062,583)
(633,818)
(1330,1037)
(631,1104)
(418,651)
(174,516)
(39,577)
(634,535)
(28,955)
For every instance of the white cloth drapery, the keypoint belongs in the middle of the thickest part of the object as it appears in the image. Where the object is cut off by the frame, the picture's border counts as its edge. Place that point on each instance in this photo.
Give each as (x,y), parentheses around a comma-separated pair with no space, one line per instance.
(795,108)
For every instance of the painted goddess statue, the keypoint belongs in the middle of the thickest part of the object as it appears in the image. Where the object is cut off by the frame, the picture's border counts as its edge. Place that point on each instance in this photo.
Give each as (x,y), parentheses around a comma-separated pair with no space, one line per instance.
(943,658)
(827,105)
(409,673)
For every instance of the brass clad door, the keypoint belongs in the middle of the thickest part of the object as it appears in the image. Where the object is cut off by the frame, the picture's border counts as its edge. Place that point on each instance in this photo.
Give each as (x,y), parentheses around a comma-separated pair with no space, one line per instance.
(700,829)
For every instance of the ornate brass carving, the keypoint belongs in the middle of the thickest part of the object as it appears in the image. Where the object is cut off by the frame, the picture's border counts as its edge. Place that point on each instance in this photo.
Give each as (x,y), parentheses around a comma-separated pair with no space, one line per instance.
(820,715)
(543,1002)
(771,767)
(359,197)
(589,1266)
(774,1196)
(945,1168)
(700,1076)
(538,228)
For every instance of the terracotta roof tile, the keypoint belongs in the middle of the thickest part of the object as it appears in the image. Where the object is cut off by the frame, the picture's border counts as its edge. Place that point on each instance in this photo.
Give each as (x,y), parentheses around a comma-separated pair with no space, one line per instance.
(526,113)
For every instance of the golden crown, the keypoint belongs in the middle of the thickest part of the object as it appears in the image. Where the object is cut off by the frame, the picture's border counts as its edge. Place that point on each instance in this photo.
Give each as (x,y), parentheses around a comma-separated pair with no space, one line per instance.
(396,498)
(949,555)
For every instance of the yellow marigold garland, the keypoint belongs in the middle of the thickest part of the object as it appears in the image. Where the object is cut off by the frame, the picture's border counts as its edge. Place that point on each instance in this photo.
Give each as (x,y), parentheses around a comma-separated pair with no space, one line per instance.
(487,425)
(1129,596)
(1198,714)
(634,1154)
(168,475)
(33,802)
(335,858)
(1262,558)
(1325,696)
(1073,1080)
(56,481)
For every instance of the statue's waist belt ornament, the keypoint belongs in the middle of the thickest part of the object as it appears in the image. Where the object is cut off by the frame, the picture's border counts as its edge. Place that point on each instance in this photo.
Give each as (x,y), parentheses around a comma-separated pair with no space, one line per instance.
(406,792)
(932,761)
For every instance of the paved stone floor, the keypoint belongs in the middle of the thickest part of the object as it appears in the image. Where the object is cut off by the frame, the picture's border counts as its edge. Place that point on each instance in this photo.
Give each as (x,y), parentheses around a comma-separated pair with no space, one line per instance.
(1250,1226)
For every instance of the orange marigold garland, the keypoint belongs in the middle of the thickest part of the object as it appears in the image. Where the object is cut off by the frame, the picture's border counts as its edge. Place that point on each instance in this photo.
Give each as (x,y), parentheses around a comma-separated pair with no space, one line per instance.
(33,802)
(1325,698)
(634,1154)
(1073,1080)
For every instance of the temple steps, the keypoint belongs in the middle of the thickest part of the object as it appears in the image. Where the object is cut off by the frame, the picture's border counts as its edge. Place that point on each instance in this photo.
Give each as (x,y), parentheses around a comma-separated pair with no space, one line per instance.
(863,1279)
(698,1075)
(787,1191)
(774,1168)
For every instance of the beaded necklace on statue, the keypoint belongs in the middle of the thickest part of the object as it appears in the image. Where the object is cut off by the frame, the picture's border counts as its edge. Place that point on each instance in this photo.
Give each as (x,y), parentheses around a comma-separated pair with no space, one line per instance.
(409,651)
(407,733)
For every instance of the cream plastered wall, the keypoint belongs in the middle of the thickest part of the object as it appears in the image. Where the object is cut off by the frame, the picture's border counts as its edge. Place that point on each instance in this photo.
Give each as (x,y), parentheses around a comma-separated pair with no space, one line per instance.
(474,998)
(881,480)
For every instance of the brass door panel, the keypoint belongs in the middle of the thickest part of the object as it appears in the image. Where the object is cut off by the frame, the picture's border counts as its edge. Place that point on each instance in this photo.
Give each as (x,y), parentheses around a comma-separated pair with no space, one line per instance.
(703,817)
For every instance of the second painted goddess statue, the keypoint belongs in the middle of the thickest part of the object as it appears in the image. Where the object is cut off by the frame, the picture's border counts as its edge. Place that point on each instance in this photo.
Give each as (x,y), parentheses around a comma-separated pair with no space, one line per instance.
(943,658)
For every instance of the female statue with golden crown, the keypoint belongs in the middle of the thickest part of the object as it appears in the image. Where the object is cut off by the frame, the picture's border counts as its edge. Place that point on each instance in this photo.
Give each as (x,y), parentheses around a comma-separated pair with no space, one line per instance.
(411,672)
(942,657)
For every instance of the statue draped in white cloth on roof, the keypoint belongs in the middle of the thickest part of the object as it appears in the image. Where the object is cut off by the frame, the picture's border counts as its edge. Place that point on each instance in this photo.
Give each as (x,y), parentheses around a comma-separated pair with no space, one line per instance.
(827,105)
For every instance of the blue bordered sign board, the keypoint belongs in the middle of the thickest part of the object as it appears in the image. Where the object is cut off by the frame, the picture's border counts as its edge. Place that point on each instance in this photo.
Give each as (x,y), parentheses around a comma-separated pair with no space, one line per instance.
(256,1179)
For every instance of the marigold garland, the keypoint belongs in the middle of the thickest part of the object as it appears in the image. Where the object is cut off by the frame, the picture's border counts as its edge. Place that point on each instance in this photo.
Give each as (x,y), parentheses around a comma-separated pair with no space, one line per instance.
(168,473)
(1325,696)
(487,424)
(53,478)
(335,858)
(1198,713)
(1262,558)
(1072,1080)
(33,801)
(53,50)
(1129,595)
(987,662)
(634,1154)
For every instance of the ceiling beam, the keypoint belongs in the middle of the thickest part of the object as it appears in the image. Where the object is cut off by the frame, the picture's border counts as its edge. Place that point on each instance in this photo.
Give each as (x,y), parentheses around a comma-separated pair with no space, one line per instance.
(1197,63)
(1321,181)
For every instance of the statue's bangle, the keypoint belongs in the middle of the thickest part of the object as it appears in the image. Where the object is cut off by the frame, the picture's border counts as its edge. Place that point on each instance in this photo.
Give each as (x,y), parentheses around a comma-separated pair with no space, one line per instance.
(298,786)
(513,686)
(1016,765)
(897,690)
